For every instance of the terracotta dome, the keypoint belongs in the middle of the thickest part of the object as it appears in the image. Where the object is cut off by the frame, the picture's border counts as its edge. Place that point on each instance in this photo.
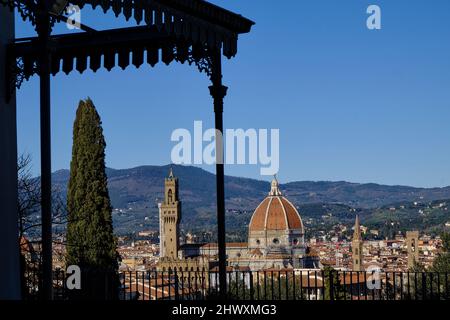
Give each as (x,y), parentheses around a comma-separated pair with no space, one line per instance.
(275,213)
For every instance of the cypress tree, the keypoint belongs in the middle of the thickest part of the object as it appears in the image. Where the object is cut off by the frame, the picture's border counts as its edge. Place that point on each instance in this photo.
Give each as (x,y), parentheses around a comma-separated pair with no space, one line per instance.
(90,241)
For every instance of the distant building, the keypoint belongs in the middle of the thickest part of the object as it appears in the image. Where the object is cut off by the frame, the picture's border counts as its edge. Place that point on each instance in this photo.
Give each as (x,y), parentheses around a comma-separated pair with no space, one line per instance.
(275,239)
(170,217)
(357,247)
(412,245)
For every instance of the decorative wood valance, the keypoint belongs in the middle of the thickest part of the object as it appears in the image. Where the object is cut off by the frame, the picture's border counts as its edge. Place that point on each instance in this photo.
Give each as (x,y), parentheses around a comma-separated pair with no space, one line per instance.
(180,30)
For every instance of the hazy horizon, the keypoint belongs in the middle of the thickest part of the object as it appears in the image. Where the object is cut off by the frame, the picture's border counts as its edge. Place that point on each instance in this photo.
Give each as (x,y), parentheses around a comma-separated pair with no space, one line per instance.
(268,179)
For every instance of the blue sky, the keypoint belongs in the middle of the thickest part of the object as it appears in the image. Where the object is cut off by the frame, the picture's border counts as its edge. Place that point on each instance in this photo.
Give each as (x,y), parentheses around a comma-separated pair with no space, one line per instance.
(351,104)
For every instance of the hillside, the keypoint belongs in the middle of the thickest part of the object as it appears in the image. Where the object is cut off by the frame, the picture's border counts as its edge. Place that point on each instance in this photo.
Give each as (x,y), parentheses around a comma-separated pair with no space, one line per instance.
(135,193)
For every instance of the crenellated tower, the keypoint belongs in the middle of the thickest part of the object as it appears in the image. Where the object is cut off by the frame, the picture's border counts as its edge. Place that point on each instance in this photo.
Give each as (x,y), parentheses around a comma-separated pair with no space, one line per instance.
(170,217)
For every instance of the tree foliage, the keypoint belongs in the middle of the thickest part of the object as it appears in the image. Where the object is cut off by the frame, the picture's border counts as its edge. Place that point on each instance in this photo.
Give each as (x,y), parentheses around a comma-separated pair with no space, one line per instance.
(30,223)
(90,241)
(442,261)
(334,290)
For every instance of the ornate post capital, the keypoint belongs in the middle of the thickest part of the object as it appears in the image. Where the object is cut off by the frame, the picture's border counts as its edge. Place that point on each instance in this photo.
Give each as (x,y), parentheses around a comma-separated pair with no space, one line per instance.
(218,91)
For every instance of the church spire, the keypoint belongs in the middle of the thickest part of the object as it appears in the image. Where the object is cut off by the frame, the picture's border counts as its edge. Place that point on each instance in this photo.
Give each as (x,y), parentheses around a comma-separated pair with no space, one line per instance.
(357,231)
(357,247)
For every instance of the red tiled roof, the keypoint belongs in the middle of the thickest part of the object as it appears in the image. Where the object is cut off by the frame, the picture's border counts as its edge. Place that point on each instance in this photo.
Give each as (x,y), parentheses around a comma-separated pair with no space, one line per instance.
(275,213)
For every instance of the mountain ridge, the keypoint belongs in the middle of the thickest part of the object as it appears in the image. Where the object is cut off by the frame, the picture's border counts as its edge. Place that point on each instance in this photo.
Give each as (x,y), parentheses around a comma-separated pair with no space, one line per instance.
(65,173)
(148,181)
(135,193)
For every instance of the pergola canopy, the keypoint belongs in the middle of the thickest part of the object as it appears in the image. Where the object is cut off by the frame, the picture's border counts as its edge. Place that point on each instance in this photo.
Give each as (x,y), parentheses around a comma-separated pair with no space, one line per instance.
(181,30)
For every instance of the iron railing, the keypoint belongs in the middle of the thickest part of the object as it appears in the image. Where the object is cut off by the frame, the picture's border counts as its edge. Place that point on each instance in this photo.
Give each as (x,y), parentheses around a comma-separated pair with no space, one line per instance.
(251,285)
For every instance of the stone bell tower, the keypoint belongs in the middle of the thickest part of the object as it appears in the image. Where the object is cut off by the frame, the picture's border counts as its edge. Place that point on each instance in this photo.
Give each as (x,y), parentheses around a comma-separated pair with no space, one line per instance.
(412,245)
(170,217)
(357,247)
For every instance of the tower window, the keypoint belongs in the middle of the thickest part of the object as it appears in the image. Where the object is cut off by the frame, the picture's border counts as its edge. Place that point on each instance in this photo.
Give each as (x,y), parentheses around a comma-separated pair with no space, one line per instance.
(276,241)
(413,245)
(258,242)
(295,242)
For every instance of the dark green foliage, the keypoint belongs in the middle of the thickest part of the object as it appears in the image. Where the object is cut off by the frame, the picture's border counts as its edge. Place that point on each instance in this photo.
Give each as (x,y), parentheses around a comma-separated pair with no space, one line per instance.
(432,284)
(287,286)
(274,285)
(446,242)
(333,288)
(442,262)
(428,217)
(90,240)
